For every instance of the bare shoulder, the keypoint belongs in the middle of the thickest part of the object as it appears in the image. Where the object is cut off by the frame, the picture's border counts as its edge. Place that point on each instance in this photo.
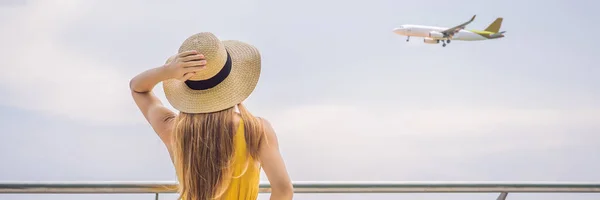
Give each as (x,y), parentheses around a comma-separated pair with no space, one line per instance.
(269,131)
(265,123)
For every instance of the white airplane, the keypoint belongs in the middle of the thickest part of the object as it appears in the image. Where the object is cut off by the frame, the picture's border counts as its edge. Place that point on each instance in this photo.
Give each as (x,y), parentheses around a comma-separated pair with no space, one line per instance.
(433,35)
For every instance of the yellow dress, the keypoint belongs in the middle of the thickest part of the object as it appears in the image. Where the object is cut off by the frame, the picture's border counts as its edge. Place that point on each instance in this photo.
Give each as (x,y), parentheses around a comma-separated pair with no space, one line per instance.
(246,171)
(245,181)
(244,184)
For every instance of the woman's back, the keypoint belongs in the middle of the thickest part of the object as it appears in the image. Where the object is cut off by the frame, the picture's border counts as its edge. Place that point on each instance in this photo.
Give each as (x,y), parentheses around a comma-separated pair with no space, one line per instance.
(216,154)
(244,181)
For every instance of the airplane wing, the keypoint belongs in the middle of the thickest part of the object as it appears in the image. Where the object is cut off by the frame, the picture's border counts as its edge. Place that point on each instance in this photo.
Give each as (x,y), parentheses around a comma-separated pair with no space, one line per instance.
(451,31)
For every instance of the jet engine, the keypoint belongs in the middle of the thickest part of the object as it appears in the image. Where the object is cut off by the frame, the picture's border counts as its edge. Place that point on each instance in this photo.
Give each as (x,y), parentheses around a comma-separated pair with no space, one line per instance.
(431,41)
(435,34)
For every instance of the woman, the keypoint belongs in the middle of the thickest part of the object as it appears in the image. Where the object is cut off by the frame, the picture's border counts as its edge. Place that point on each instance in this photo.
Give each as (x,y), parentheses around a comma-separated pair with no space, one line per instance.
(217,152)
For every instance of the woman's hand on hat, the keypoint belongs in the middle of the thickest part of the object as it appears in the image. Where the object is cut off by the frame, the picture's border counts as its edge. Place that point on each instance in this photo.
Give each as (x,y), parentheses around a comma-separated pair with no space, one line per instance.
(184,65)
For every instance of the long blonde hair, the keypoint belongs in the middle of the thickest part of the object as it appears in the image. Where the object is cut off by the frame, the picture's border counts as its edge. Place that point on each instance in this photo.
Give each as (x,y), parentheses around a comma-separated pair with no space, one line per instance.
(203,149)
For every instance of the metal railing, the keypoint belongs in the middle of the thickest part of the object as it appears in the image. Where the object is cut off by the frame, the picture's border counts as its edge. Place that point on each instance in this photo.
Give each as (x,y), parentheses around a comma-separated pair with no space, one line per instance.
(310,187)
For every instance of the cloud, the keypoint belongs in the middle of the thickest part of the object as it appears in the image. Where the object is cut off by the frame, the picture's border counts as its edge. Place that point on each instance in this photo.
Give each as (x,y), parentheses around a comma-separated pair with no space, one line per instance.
(417,140)
(41,73)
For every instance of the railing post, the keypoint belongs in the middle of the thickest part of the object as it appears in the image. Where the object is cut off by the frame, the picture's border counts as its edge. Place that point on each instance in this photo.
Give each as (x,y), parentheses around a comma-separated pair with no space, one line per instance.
(155,196)
(502,196)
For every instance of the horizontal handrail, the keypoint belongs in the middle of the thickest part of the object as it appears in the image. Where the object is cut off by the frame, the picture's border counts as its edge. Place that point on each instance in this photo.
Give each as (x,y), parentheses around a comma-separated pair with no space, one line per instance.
(313,187)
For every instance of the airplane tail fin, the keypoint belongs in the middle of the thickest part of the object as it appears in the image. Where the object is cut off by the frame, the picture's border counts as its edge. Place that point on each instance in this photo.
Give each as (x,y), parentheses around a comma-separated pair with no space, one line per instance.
(494,27)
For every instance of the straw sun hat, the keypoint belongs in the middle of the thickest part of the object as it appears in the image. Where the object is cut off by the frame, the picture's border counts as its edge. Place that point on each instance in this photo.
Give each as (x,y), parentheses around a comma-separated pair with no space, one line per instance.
(231,74)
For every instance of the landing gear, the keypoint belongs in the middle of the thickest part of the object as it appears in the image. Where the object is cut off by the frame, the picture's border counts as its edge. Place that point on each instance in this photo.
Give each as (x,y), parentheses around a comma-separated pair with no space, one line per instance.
(445,42)
(407,38)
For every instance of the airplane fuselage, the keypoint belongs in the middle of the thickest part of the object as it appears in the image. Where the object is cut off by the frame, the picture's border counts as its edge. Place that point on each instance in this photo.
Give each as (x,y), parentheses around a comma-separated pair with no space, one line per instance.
(434,33)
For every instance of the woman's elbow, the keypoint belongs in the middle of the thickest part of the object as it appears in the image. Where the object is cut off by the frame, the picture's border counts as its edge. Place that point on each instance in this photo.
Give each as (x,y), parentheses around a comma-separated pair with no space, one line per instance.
(284,190)
(132,84)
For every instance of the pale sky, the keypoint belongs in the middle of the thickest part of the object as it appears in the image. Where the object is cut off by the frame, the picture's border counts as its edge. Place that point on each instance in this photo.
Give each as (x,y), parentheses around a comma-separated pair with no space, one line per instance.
(350,100)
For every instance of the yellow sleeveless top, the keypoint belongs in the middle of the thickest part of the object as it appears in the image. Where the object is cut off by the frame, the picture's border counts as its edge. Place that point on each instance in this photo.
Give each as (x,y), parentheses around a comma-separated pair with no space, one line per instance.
(244,183)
